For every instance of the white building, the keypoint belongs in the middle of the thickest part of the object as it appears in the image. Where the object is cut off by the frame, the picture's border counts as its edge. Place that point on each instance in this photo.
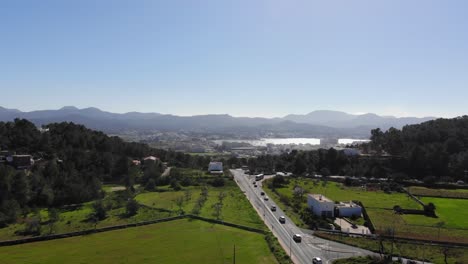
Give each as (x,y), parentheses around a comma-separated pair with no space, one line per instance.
(321,205)
(349,209)
(215,167)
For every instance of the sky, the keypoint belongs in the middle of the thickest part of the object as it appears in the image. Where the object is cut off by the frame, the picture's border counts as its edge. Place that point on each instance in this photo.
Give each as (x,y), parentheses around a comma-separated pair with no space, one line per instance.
(263,58)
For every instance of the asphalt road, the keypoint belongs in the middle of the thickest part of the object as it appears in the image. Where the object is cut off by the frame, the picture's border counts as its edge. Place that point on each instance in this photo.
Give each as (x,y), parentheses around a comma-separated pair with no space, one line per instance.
(311,246)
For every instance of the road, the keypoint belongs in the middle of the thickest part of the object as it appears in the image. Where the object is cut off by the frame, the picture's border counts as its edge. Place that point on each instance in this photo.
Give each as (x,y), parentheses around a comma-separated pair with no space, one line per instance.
(310,247)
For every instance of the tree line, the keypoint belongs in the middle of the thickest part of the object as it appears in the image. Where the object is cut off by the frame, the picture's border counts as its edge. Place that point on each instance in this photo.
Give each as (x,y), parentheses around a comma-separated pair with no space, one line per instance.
(433,151)
(71,164)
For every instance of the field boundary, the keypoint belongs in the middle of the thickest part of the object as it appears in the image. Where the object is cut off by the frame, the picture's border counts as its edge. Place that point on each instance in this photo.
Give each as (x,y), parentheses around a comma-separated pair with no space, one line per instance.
(117,227)
(400,239)
(413,197)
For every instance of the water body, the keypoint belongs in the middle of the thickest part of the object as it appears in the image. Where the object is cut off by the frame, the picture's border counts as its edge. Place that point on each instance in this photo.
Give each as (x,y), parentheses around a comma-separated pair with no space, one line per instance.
(286,141)
(350,140)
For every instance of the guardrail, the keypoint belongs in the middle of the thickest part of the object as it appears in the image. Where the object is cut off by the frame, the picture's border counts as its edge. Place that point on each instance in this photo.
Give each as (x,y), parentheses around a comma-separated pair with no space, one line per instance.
(399,239)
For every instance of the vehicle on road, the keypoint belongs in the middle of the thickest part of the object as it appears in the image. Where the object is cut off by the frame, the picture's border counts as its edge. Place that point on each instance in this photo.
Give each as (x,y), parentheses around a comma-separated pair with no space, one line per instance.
(254,182)
(265,198)
(273,208)
(316,260)
(297,238)
(259,177)
(262,193)
(282,219)
(255,185)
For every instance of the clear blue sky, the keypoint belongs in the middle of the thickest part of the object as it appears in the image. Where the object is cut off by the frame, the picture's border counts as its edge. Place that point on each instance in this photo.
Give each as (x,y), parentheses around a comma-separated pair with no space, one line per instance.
(245,58)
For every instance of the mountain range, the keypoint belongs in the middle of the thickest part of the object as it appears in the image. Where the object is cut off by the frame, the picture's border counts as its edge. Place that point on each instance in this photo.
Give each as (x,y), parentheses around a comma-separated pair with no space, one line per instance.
(321,123)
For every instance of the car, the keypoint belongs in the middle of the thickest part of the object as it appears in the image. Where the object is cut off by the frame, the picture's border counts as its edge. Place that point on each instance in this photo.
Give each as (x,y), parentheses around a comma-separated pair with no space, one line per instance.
(316,260)
(265,198)
(254,182)
(297,238)
(255,185)
(273,208)
(282,219)
(262,193)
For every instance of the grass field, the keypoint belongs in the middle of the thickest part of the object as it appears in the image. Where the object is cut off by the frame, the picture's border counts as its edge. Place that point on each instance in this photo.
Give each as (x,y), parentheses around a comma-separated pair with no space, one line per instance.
(236,208)
(339,192)
(180,241)
(422,191)
(77,219)
(450,211)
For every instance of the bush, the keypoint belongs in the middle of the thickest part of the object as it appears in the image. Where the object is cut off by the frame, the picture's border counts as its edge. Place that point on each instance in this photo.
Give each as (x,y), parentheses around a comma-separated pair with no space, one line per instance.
(218,182)
(132,207)
(277,250)
(150,185)
(99,210)
(176,185)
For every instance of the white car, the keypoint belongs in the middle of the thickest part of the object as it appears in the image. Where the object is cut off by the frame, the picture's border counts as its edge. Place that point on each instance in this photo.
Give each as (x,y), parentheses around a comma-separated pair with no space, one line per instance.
(316,260)
(297,238)
(282,219)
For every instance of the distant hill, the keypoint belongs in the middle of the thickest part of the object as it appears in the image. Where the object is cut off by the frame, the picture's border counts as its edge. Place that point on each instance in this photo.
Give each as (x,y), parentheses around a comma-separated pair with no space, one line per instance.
(344,120)
(315,124)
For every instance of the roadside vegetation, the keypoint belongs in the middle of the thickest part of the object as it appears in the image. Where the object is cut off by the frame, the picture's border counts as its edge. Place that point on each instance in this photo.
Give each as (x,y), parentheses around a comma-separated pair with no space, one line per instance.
(426,252)
(442,193)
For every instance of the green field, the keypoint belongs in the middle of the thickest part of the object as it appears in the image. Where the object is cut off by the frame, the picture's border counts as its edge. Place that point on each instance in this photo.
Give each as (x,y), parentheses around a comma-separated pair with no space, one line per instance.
(77,219)
(422,191)
(180,241)
(450,211)
(236,207)
(339,192)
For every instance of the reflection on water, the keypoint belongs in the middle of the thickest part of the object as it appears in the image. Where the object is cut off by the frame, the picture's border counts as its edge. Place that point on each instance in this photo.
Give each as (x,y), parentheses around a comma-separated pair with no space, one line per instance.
(286,141)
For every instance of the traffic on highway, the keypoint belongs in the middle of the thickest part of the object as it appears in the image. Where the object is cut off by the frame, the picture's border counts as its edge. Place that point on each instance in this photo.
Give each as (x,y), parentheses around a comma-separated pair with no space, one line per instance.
(300,244)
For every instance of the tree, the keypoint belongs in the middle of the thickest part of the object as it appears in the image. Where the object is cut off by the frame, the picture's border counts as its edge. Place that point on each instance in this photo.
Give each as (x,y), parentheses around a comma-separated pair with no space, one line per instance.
(150,185)
(132,207)
(217,208)
(188,195)
(439,225)
(99,210)
(33,225)
(179,201)
(429,209)
(54,216)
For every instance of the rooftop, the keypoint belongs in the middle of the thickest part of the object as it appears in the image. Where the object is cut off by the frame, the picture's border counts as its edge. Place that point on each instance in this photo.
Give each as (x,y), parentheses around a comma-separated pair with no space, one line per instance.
(344,204)
(319,197)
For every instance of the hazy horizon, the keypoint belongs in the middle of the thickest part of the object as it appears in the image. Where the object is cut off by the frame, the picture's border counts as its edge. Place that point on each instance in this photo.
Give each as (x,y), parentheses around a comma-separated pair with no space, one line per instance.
(243,58)
(358,113)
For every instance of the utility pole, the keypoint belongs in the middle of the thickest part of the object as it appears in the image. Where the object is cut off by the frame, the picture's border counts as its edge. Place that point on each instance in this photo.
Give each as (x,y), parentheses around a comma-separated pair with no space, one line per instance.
(234,259)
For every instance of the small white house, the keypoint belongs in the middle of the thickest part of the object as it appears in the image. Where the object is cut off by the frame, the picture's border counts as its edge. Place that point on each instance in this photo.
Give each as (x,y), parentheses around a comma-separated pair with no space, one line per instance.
(348,209)
(321,205)
(215,167)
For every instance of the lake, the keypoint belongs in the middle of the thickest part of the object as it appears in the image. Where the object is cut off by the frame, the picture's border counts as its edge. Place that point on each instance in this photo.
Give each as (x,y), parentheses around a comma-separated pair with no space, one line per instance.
(286,141)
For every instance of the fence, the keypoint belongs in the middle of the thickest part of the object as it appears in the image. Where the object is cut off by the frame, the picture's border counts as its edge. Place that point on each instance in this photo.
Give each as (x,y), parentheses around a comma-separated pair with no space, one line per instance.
(370,225)
(396,238)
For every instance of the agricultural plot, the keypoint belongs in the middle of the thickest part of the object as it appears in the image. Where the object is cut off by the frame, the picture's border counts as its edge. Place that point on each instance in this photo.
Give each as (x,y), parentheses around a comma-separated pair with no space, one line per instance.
(443,193)
(235,208)
(77,219)
(180,241)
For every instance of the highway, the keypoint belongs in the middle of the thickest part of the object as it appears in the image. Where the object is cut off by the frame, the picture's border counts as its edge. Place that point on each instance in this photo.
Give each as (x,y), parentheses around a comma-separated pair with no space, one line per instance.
(310,247)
